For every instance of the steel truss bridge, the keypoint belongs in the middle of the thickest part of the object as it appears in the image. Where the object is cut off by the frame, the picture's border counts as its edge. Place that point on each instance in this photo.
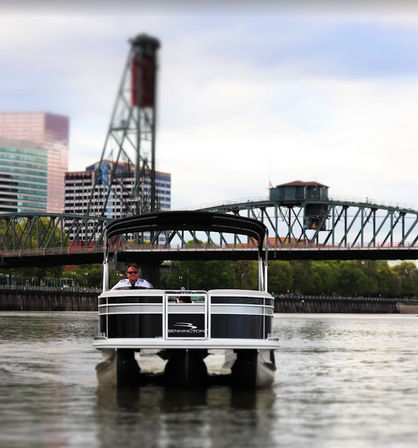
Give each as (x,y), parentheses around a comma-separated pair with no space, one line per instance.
(349,230)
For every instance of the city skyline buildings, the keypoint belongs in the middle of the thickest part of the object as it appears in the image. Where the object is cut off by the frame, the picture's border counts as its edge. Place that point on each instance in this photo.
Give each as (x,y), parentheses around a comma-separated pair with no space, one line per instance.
(50,133)
(34,175)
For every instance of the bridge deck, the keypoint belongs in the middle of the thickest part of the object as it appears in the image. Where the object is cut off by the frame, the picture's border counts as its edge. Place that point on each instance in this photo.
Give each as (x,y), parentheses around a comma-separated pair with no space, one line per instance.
(151,254)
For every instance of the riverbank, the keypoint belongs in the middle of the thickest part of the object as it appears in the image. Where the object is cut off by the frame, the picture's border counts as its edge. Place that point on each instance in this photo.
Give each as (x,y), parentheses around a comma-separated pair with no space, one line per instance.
(323,304)
(40,298)
(24,298)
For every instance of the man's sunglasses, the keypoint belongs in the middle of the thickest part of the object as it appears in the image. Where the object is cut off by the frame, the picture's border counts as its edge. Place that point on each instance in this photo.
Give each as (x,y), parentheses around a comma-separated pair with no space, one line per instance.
(132,272)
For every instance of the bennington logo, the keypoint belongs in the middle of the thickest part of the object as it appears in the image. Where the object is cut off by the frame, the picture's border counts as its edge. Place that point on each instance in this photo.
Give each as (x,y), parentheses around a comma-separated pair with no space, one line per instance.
(185,327)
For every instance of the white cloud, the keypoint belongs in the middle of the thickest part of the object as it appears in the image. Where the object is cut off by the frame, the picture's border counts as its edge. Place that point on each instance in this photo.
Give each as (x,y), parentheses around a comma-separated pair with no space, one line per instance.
(228,121)
(357,136)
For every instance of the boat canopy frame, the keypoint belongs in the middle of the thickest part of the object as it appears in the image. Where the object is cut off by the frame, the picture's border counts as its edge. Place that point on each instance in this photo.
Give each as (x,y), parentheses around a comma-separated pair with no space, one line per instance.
(191,221)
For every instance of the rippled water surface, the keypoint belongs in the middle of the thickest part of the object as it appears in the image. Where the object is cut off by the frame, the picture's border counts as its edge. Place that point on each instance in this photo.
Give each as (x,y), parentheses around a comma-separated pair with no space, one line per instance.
(342,381)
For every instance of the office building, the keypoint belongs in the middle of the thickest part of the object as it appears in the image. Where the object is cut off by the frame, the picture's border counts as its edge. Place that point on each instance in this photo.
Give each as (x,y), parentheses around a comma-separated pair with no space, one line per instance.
(23,177)
(47,132)
(79,184)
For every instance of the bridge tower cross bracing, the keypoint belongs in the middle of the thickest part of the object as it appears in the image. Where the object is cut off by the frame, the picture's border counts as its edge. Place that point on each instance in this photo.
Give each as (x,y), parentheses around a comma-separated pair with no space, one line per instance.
(124,178)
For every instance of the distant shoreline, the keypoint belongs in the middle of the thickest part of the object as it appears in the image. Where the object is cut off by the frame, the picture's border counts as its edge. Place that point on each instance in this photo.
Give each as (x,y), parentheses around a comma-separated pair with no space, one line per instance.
(23,298)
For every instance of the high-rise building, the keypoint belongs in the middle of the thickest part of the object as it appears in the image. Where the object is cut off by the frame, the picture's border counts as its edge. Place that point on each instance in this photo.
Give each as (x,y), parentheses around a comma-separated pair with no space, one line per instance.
(23,177)
(49,132)
(79,185)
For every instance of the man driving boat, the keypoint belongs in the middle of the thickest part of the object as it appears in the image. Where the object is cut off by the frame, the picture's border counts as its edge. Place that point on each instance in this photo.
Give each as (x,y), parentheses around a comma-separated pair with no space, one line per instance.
(132,279)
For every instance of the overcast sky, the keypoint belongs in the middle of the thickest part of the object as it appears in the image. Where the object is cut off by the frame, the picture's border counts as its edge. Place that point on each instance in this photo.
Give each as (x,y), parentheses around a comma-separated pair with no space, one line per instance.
(247,95)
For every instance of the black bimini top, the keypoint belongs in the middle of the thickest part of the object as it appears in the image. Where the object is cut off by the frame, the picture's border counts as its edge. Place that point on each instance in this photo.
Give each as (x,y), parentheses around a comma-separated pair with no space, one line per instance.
(189,220)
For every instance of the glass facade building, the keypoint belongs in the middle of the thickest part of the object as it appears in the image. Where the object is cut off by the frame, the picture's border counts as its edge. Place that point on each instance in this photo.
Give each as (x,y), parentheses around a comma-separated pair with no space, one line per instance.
(49,132)
(23,177)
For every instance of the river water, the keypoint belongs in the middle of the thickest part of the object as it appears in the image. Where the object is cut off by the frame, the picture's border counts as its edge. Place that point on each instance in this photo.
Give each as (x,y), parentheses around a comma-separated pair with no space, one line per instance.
(342,381)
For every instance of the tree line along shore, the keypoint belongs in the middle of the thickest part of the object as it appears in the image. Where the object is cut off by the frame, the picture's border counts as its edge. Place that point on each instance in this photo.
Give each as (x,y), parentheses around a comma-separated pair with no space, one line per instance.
(367,278)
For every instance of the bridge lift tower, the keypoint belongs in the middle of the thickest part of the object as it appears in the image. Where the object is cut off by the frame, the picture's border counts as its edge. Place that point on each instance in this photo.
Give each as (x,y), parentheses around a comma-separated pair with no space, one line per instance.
(124,181)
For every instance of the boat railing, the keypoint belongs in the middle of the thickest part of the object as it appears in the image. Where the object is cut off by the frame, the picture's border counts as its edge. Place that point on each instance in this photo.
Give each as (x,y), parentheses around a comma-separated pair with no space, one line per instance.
(185,314)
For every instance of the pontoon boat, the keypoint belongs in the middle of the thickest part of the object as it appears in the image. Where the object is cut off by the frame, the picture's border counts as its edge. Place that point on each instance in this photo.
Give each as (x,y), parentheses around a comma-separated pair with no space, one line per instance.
(182,326)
